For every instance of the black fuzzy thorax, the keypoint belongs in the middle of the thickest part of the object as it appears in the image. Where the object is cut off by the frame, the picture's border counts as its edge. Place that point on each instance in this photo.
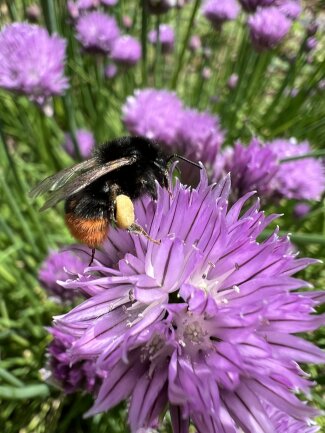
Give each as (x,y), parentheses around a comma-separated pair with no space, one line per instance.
(135,180)
(139,178)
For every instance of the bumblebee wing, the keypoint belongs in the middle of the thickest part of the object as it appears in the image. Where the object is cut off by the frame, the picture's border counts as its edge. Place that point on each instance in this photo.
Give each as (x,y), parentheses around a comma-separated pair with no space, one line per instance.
(56,181)
(77,184)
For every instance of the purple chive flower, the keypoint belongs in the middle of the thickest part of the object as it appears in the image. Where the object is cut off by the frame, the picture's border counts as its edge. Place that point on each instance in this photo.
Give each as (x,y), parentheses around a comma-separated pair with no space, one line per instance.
(160,6)
(203,322)
(85,141)
(80,376)
(301,179)
(111,71)
(284,423)
(126,51)
(232,81)
(87,4)
(32,61)
(311,43)
(84,5)
(62,265)
(73,9)
(301,209)
(127,22)
(166,38)
(268,27)
(290,8)
(252,5)
(109,2)
(206,73)
(97,32)
(200,136)
(195,43)
(219,11)
(33,12)
(251,168)
(155,114)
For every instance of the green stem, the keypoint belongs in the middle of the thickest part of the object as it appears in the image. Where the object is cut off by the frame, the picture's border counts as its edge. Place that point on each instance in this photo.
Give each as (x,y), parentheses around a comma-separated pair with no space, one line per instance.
(158,54)
(29,391)
(185,45)
(298,238)
(20,217)
(49,15)
(10,160)
(315,154)
(12,10)
(144,35)
(288,78)
(48,142)
(10,378)
(23,190)
(68,107)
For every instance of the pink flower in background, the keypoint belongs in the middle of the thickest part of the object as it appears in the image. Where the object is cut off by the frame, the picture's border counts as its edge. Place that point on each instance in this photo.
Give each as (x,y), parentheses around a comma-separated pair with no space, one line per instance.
(85,142)
(32,61)
(97,32)
(166,38)
(155,114)
(219,11)
(126,51)
(268,27)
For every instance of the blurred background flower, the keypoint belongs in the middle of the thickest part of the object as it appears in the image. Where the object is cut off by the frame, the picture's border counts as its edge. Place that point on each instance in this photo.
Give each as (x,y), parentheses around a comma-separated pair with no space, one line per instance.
(155,114)
(166,38)
(97,32)
(60,266)
(32,61)
(219,11)
(301,178)
(126,51)
(268,27)
(200,136)
(85,142)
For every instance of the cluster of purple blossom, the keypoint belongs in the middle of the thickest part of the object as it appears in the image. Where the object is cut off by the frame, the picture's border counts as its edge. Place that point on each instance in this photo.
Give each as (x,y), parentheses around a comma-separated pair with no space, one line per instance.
(264,168)
(61,265)
(269,22)
(85,142)
(98,32)
(160,115)
(202,324)
(32,61)
(78,7)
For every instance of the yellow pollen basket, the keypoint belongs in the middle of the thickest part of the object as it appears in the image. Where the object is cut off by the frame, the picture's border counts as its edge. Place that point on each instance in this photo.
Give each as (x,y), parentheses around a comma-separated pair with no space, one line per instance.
(124,211)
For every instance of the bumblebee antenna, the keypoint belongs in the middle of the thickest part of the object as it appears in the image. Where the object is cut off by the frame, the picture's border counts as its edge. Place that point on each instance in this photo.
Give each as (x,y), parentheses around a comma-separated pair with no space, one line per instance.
(175,155)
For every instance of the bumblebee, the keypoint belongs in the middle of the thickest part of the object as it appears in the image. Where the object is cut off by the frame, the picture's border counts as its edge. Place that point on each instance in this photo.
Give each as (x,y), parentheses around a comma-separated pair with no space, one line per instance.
(100,191)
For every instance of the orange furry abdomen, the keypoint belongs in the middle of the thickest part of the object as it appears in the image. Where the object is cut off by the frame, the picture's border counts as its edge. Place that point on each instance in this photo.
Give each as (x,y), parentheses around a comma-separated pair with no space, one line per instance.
(91,232)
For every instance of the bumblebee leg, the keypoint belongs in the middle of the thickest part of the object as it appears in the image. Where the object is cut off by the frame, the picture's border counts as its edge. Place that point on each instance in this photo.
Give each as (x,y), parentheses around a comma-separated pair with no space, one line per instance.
(125,217)
(135,228)
(113,192)
(93,250)
(166,183)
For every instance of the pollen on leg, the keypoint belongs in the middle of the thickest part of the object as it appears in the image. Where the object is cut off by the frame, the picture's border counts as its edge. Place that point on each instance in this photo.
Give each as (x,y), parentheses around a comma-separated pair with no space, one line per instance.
(124,211)
(90,231)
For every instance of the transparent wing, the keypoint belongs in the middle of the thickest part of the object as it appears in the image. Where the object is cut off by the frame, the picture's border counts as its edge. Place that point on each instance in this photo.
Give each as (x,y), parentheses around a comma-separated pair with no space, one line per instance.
(57,180)
(84,179)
